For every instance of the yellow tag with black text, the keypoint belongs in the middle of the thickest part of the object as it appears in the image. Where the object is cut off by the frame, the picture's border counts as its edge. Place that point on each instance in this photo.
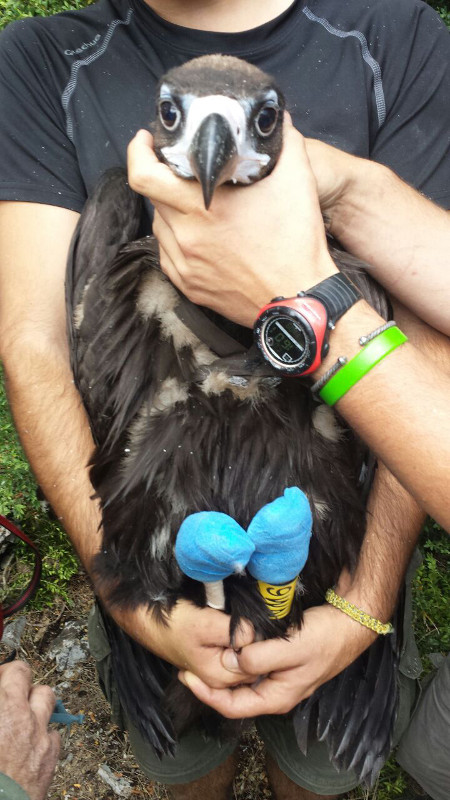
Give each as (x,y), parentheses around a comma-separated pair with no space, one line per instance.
(278,599)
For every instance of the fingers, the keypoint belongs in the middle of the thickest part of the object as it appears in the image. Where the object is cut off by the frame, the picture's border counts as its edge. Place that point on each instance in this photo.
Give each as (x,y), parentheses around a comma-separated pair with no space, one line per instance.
(15,680)
(15,683)
(260,658)
(208,665)
(169,250)
(15,671)
(294,161)
(334,171)
(265,697)
(215,676)
(150,177)
(199,637)
(244,634)
(213,627)
(42,703)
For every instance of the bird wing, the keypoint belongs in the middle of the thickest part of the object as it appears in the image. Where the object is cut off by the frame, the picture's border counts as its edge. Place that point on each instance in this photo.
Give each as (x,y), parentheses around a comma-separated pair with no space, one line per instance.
(355,712)
(135,667)
(109,221)
(200,451)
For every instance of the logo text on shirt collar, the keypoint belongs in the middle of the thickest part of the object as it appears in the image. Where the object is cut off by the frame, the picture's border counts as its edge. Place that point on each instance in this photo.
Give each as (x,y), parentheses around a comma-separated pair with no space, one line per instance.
(83,47)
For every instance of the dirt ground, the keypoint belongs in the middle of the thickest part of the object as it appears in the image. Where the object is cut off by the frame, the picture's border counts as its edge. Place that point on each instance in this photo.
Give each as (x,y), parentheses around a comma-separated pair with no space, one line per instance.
(97,742)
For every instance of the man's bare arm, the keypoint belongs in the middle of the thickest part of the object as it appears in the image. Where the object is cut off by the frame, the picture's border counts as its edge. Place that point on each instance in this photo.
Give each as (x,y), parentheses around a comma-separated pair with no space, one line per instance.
(52,424)
(203,255)
(47,409)
(400,408)
(380,219)
(329,640)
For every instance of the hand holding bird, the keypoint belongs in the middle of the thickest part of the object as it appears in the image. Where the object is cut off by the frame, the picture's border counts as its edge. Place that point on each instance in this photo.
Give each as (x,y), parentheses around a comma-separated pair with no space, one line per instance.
(283,251)
(295,667)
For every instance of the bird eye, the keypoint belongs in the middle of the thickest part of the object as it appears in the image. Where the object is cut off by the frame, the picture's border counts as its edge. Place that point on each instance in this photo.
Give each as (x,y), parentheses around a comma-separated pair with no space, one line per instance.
(169,114)
(266,120)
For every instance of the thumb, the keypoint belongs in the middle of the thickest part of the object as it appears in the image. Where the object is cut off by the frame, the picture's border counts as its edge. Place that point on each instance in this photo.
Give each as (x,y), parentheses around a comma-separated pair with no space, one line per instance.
(150,177)
(260,658)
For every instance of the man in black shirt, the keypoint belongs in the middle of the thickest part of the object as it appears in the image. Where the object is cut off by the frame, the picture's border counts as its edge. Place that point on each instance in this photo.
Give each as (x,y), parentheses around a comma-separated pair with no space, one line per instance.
(73,91)
(371,79)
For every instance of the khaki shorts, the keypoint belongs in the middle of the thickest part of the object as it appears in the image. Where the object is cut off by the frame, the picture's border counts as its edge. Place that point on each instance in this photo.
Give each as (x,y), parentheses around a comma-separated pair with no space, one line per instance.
(197,755)
(425,747)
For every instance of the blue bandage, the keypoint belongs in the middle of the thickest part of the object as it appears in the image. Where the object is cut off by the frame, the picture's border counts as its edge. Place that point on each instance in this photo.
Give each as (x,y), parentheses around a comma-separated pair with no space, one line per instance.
(281,532)
(210,546)
(62,717)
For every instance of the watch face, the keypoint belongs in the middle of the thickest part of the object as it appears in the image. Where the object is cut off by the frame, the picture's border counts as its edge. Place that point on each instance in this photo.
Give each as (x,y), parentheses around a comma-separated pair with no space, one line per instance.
(287,340)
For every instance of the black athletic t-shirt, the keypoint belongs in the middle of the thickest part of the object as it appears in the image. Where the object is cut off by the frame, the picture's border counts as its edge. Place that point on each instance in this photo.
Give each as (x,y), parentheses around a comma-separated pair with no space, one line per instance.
(369,76)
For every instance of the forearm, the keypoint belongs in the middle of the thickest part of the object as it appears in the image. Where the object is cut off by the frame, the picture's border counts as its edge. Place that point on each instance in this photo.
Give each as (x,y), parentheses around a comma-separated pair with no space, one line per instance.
(55,435)
(394,522)
(57,440)
(400,409)
(401,234)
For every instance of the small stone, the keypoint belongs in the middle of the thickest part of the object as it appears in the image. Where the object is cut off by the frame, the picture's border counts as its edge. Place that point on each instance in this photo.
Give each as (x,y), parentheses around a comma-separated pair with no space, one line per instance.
(120,786)
(70,648)
(6,538)
(67,760)
(13,631)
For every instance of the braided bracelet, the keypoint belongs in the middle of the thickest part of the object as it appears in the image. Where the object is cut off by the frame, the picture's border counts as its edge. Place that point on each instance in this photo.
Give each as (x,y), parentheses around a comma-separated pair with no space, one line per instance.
(358,614)
(376,346)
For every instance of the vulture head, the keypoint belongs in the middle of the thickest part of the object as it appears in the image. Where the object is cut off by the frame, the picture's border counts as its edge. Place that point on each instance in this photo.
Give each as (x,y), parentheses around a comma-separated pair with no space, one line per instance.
(218,119)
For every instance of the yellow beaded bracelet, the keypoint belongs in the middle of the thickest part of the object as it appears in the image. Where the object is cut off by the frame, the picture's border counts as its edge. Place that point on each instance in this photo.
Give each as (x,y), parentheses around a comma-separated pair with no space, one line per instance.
(358,614)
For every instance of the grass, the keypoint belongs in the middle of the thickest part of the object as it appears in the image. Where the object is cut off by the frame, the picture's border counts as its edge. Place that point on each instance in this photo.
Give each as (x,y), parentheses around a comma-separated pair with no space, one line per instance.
(20,9)
(18,500)
(431,593)
(443,10)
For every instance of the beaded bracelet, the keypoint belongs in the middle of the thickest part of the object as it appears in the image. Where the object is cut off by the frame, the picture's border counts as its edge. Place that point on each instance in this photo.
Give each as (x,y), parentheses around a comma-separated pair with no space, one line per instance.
(358,614)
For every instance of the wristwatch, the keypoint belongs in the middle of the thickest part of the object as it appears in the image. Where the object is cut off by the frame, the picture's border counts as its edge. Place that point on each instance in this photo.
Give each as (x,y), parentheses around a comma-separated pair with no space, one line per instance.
(292,333)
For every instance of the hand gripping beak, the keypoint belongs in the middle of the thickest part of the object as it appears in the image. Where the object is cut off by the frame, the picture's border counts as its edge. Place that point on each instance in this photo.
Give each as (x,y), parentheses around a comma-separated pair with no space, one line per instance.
(212,150)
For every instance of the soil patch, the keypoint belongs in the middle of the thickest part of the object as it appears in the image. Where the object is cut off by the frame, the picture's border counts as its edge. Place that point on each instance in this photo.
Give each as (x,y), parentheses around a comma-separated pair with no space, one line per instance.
(97,743)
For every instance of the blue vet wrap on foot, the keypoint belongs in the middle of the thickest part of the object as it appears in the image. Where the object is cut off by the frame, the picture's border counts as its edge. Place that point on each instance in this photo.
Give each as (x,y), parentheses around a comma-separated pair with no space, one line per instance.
(281,532)
(62,717)
(211,545)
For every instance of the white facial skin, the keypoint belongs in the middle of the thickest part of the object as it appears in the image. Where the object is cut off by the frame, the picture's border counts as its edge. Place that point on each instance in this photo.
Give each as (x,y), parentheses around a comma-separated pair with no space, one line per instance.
(246,165)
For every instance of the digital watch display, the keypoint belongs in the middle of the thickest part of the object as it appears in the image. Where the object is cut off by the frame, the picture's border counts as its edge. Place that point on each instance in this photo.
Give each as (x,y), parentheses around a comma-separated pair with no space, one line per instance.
(292,333)
(287,339)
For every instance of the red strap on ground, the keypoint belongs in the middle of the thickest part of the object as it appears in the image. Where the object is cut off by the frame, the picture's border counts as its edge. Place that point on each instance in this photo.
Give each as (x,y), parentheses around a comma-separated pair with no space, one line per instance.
(31,588)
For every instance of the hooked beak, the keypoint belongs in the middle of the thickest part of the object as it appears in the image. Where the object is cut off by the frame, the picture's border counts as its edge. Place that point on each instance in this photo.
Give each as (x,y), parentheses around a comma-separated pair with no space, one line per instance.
(212,150)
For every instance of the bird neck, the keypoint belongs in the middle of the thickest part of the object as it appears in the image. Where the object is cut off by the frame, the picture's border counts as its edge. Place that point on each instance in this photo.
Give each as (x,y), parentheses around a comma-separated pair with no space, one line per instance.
(220,16)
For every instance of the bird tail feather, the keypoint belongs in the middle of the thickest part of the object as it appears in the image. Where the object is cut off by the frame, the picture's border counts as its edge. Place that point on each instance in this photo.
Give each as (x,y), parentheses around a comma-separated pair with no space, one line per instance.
(356,710)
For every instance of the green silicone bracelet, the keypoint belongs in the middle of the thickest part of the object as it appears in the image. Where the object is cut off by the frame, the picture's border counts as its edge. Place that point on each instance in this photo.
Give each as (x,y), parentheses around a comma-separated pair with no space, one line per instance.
(355,369)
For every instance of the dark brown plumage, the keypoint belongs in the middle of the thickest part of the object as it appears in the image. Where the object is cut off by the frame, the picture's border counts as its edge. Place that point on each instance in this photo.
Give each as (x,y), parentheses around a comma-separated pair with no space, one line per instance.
(187,418)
